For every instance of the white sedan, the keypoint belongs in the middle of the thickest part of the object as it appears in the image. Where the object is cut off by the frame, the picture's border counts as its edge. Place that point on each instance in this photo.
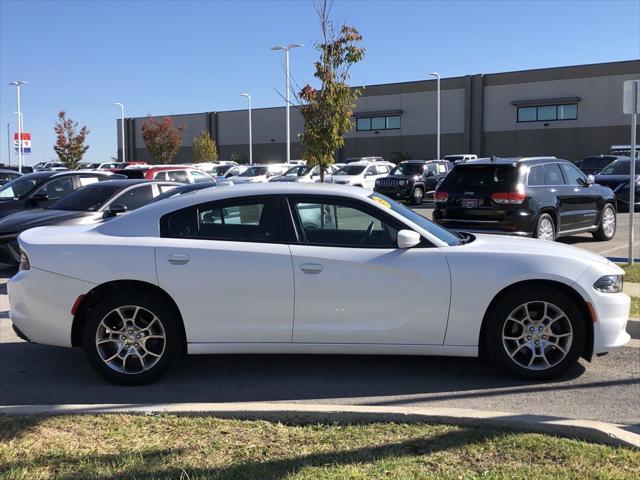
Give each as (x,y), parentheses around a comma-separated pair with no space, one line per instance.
(308,268)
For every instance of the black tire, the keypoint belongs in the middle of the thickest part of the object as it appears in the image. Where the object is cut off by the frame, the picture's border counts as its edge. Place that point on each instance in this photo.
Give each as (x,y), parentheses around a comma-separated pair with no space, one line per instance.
(417,195)
(604,231)
(499,320)
(150,304)
(544,220)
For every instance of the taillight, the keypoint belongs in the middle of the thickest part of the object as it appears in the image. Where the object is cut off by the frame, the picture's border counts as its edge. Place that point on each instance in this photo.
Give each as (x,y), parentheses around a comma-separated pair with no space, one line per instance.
(441,196)
(508,198)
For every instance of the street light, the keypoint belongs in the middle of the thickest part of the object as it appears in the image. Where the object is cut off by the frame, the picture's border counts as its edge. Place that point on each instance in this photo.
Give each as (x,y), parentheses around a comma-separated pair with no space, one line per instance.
(18,84)
(437,75)
(286,56)
(250,139)
(124,158)
(9,143)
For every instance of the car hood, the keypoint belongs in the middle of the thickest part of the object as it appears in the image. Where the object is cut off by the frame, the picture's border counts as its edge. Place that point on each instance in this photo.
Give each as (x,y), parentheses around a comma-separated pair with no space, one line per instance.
(284,179)
(247,179)
(39,217)
(506,244)
(613,181)
(341,178)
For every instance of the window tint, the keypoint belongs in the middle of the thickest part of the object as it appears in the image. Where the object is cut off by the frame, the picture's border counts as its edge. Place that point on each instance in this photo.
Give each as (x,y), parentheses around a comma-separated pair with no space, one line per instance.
(338,223)
(17,188)
(536,176)
(88,199)
(56,188)
(178,176)
(573,175)
(432,169)
(552,174)
(465,176)
(161,176)
(8,176)
(408,169)
(244,220)
(135,198)
(620,167)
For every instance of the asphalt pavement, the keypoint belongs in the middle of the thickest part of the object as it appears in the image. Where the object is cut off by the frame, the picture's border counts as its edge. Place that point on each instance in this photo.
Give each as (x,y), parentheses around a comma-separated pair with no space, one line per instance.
(608,389)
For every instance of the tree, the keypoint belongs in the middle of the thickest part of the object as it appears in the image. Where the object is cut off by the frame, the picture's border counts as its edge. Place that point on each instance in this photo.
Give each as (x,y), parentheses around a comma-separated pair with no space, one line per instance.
(69,145)
(162,138)
(204,148)
(327,111)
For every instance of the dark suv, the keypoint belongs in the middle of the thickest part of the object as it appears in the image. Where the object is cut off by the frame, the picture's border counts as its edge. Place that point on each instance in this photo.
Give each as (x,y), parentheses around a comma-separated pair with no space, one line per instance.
(543,197)
(413,179)
(595,163)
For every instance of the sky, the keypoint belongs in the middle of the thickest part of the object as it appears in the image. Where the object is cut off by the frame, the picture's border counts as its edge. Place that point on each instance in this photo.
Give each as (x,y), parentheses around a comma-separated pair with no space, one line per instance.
(169,57)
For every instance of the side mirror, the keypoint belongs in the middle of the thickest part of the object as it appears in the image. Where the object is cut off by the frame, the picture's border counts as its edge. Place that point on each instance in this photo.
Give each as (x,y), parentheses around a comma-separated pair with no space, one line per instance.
(114,210)
(408,238)
(39,197)
(591,179)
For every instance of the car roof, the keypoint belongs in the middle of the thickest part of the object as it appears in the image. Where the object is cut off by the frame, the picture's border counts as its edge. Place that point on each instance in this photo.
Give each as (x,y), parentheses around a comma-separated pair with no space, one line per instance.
(511,161)
(423,161)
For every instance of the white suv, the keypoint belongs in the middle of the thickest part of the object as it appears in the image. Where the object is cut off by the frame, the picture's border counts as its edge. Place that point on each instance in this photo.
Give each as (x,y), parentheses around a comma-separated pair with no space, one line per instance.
(361,174)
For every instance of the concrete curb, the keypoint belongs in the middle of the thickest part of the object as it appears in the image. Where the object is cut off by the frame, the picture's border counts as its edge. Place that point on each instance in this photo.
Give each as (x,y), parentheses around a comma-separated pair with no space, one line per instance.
(590,430)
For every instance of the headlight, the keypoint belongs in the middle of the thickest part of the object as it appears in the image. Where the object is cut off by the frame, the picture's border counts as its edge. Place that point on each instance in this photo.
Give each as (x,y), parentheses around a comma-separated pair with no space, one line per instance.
(609,284)
(402,182)
(24,261)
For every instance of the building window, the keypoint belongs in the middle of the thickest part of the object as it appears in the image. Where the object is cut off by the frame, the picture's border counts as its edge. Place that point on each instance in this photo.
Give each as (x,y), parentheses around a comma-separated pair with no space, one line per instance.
(364,124)
(548,113)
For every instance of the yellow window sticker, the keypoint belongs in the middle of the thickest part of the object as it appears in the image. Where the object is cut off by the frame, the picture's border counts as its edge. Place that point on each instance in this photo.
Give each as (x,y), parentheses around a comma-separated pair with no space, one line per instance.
(381,201)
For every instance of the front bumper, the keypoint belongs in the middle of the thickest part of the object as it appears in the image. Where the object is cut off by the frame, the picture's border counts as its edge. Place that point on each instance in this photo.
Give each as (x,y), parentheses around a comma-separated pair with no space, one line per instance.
(397,193)
(41,304)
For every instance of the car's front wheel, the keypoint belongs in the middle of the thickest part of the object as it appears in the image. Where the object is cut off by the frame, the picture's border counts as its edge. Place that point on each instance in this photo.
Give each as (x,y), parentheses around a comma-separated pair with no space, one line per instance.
(132,339)
(607,228)
(417,196)
(535,334)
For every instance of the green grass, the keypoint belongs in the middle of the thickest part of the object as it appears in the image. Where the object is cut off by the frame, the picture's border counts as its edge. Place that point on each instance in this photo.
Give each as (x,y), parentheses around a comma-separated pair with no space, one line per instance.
(190,448)
(632,272)
(635,307)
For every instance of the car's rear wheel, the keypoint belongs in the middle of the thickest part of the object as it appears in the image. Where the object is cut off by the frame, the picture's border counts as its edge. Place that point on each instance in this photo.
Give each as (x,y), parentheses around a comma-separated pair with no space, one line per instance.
(545,228)
(132,339)
(417,196)
(607,228)
(536,334)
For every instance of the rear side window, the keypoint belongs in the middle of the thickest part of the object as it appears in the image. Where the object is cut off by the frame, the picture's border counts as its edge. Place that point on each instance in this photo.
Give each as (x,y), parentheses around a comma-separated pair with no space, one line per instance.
(552,174)
(160,176)
(536,176)
(573,175)
(465,176)
(178,176)
(240,220)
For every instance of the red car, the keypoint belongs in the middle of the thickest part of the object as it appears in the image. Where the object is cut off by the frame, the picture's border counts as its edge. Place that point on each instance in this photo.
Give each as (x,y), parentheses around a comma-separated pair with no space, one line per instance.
(175,173)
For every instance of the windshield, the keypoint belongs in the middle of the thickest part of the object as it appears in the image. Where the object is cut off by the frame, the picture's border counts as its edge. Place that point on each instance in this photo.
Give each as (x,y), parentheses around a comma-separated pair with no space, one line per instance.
(621,167)
(88,199)
(297,171)
(17,188)
(254,172)
(408,169)
(596,162)
(441,233)
(350,170)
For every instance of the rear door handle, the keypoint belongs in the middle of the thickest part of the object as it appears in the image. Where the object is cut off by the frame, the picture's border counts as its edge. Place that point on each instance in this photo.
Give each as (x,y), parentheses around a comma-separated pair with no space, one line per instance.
(178,259)
(553,190)
(311,268)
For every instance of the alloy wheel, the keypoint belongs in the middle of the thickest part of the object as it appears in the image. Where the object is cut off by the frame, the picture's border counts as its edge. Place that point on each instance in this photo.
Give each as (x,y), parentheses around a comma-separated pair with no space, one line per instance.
(609,222)
(537,335)
(545,229)
(130,339)
(418,194)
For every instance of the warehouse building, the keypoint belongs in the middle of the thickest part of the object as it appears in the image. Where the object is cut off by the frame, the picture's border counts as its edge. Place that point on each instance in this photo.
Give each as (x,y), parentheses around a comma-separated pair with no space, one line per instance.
(569,112)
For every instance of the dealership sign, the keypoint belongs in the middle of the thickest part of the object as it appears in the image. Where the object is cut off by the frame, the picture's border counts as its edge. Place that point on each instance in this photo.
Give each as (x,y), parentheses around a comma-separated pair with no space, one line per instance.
(26,143)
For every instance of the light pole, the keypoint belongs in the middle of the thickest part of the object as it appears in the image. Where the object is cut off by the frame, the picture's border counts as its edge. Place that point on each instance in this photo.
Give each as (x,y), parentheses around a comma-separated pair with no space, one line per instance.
(250,137)
(286,56)
(437,75)
(9,143)
(17,84)
(124,158)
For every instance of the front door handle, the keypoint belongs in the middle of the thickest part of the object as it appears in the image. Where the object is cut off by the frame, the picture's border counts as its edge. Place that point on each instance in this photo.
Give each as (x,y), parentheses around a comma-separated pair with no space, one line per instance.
(311,268)
(178,259)
(553,190)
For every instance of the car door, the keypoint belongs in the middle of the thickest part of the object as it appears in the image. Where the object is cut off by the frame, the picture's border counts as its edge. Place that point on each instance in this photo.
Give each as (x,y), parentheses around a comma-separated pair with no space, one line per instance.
(352,283)
(580,199)
(228,269)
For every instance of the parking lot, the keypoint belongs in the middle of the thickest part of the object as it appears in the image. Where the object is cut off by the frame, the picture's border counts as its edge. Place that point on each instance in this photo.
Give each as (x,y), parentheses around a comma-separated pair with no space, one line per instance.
(606,389)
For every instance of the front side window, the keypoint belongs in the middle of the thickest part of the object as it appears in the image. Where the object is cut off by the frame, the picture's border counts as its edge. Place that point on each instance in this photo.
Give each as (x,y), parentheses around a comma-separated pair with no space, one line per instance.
(135,198)
(160,176)
(242,220)
(56,188)
(340,223)
(17,188)
(89,199)
(432,169)
(573,175)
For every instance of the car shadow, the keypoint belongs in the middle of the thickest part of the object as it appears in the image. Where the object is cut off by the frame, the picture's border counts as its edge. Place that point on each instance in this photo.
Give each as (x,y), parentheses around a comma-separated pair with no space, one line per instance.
(41,375)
